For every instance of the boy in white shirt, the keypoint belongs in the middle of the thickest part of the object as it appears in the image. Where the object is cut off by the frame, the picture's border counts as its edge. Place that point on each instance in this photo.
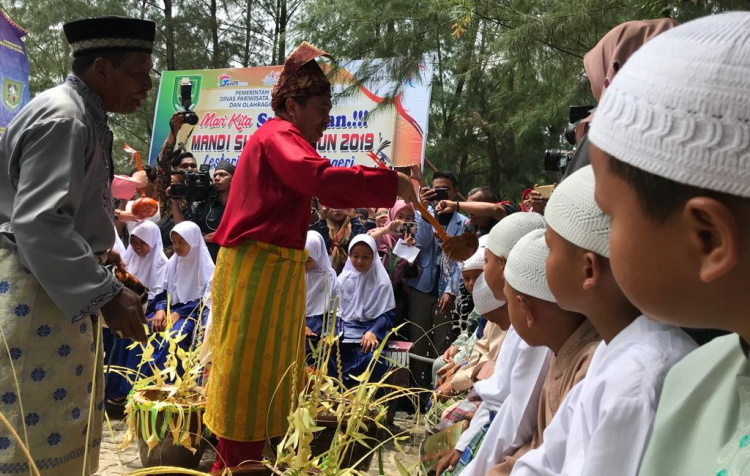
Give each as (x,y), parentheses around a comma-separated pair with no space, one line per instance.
(530,362)
(542,324)
(603,425)
(670,149)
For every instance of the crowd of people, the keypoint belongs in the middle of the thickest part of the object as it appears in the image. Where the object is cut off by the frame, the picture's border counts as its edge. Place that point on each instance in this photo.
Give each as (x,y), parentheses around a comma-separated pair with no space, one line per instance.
(578,339)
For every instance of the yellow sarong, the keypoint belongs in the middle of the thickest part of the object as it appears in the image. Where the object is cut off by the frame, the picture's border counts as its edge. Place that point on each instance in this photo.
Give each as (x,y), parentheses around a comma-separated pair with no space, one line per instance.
(257,336)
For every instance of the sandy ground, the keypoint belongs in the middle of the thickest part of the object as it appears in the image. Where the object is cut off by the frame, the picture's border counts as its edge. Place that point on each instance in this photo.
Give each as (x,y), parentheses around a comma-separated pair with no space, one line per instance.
(115,463)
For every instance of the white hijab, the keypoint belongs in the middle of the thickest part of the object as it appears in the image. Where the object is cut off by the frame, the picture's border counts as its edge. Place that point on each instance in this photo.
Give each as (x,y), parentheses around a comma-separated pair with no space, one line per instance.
(364,296)
(321,280)
(189,277)
(151,270)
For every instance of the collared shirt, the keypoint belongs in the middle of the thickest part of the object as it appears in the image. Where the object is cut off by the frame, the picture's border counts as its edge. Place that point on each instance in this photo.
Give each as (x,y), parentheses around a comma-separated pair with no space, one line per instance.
(55,201)
(431,258)
(703,420)
(279,172)
(604,423)
(515,421)
(566,369)
(513,392)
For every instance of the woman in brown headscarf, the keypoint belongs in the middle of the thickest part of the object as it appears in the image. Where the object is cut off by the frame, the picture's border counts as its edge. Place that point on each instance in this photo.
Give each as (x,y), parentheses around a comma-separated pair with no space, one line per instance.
(602,64)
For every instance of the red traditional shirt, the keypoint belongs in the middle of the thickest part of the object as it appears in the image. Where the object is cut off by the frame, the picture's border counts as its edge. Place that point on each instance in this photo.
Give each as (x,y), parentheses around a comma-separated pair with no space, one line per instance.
(277,176)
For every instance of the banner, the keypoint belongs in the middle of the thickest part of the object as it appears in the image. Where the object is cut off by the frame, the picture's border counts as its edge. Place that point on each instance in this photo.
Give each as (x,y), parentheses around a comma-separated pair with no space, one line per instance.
(14,70)
(231,104)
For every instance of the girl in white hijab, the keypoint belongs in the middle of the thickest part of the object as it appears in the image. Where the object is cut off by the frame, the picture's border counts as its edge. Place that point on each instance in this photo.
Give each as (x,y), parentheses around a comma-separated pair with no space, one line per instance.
(320,279)
(145,258)
(365,311)
(188,277)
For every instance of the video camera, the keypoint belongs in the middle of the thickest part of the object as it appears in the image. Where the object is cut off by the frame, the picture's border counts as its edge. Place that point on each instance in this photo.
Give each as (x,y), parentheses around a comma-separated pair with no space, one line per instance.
(197,186)
(557,160)
(186,100)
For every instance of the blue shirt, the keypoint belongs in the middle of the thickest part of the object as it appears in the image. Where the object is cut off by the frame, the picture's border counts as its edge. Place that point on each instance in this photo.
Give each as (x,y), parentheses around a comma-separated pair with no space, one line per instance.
(430,258)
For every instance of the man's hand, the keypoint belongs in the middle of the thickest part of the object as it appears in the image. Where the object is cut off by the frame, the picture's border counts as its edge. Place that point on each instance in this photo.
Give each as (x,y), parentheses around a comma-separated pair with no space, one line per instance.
(114,258)
(309,332)
(208,237)
(445,206)
(176,122)
(405,189)
(369,342)
(159,321)
(416,174)
(448,463)
(446,302)
(126,216)
(141,178)
(124,315)
(538,204)
(450,353)
(427,195)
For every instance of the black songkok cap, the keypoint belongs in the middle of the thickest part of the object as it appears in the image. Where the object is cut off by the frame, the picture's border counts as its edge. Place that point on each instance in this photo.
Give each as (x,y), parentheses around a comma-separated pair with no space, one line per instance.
(92,35)
(226,166)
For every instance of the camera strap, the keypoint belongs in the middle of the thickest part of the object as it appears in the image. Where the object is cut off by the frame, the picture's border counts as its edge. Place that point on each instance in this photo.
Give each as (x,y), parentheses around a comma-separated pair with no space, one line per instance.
(181,145)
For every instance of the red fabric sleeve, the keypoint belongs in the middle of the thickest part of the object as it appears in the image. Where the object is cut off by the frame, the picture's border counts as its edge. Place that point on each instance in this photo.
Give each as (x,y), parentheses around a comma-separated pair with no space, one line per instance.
(300,168)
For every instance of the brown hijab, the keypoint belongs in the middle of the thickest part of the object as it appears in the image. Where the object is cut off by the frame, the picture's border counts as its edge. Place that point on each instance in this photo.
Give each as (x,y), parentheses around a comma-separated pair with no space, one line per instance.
(609,55)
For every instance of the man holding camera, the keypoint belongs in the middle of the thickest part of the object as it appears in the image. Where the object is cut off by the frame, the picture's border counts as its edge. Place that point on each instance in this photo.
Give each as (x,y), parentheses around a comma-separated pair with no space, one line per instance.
(207,214)
(56,231)
(434,292)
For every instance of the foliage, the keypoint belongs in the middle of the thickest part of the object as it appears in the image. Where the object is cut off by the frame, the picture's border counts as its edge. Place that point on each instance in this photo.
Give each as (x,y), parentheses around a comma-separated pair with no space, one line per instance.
(171,394)
(506,71)
(356,411)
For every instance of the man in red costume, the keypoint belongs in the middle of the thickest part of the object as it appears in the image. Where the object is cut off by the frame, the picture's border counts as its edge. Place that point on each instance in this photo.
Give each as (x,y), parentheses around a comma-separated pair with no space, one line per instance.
(259,286)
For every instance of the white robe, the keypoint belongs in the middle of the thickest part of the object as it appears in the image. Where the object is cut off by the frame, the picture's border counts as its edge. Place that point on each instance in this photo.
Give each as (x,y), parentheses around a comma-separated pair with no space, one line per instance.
(604,424)
(511,392)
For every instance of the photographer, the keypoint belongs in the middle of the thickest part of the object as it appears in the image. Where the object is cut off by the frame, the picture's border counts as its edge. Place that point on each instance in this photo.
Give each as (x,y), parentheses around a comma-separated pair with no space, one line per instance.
(208,213)
(433,293)
(175,209)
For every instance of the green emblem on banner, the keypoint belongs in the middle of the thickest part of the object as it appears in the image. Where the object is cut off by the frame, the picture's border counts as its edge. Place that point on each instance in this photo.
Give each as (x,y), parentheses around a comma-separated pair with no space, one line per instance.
(12,94)
(195,81)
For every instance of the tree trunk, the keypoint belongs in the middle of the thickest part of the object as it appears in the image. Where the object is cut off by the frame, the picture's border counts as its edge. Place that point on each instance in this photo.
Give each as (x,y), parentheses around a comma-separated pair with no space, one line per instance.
(248,25)
(214,25)
(169,35)
(283,21)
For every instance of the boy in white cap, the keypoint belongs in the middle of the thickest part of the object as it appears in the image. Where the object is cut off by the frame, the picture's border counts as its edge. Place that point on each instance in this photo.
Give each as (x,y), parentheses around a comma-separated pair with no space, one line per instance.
(518,365)
(482,359)
(470,271)
(604,423)
(671,143)
(541,323)
(489,332)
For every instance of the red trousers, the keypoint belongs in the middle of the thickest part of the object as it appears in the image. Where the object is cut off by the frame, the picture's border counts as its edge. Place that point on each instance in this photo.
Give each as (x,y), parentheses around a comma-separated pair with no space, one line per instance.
(230,453)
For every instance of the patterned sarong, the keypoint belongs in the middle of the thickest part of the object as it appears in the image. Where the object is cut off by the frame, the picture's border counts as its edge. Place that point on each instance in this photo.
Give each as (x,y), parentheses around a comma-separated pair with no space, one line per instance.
(53,360)
(256,340)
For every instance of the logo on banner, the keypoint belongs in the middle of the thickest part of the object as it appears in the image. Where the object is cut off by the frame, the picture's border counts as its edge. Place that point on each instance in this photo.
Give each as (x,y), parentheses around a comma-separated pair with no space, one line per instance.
(225,81)
(195,81)
(12,94)
(271,78)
